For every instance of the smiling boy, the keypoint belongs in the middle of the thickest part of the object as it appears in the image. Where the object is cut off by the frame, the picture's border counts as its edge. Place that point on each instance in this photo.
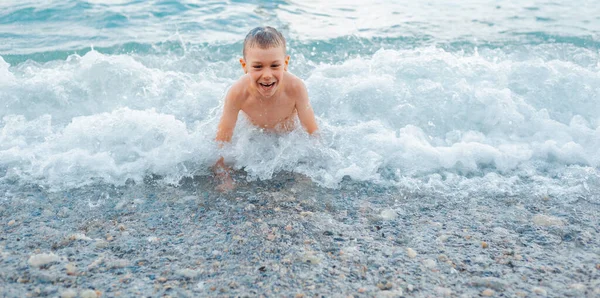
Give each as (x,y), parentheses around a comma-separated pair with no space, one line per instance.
(267,93)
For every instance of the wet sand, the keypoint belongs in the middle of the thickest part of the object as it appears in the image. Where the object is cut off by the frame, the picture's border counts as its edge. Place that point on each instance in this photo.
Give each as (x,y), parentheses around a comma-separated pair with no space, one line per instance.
(289,237)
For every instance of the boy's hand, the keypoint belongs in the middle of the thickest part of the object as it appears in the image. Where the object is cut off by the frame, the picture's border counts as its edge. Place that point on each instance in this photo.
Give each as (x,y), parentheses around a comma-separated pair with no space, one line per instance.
(226,185)
(221,171)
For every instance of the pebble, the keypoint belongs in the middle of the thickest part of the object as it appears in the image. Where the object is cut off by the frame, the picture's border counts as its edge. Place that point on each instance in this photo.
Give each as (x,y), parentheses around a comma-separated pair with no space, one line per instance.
(547,220)
(42,259)
(311,259)
(484,244)
(12,222)
(64,212)
(539,291)
(391,294)
(101,244)
(88,294)
(153,239)
(188,273)
(411,253)
(487,293)
(489,282)
(71,269)
(443,238)
(429,263)
(388,214)
(119,263)
(68,293)
(441,291)
(385,285)
(410,287)
(362,290)
(577,287)
(79,236)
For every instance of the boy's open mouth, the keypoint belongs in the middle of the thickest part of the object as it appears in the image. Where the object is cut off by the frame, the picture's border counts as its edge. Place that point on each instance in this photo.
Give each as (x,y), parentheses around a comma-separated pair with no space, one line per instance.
(267,85)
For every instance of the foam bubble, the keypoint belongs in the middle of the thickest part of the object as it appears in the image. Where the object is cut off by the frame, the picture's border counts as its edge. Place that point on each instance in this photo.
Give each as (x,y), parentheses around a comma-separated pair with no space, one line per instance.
(422,118)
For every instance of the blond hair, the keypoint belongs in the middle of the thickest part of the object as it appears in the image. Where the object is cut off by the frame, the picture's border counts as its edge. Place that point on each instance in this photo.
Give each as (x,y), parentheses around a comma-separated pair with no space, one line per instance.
(264,37)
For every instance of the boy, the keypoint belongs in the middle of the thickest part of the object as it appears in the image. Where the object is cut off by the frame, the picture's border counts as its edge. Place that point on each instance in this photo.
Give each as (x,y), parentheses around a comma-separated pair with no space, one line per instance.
(267,93)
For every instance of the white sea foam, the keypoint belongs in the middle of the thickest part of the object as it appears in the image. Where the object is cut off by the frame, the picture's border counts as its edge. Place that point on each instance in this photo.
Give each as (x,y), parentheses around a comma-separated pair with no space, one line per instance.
(422,118)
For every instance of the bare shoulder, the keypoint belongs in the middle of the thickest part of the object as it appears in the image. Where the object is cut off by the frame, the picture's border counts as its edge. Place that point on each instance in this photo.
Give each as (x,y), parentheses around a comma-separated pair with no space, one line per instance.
(294,85)
(238,93)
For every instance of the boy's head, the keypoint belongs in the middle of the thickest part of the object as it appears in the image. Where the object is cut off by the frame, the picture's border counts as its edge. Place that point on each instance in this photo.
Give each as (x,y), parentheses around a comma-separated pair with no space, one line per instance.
(264,38)
(265,60)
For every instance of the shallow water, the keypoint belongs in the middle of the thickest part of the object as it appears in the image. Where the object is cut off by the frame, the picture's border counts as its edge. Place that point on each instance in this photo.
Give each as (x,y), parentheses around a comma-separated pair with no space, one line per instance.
(475,120)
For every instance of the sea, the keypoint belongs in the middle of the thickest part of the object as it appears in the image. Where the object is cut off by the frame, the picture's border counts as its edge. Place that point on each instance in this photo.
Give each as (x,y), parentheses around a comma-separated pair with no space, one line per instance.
(476,96)
(437,99)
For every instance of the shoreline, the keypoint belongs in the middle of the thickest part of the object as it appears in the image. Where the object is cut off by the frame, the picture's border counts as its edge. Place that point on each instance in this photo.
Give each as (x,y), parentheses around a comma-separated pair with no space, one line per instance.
(290,237)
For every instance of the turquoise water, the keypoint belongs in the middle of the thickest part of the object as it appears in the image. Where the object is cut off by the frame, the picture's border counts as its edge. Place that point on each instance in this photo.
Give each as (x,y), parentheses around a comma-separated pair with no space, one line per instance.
(476,96)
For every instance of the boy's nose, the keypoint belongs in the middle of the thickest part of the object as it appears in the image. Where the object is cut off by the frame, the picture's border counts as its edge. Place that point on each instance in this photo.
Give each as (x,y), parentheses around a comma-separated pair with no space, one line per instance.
(267,73)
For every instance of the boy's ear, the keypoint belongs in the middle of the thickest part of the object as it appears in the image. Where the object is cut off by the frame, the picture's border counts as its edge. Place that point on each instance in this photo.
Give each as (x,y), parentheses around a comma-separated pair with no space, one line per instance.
(243,63)
(287,62)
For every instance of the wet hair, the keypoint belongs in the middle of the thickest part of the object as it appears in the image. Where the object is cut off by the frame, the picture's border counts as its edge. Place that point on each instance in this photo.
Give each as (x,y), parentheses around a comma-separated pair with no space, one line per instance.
(264,37)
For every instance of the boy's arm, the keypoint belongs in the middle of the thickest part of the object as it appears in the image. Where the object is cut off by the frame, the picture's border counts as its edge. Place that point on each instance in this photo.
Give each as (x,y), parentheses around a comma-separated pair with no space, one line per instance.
(225,129)
(305,111)
(231,110)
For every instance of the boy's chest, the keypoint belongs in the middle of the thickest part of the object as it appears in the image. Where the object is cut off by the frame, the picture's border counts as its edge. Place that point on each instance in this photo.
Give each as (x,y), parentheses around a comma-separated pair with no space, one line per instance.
(268,114)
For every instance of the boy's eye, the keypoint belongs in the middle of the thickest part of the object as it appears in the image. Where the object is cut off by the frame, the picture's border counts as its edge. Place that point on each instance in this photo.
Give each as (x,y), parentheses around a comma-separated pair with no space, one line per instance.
(257,66)
(275,65)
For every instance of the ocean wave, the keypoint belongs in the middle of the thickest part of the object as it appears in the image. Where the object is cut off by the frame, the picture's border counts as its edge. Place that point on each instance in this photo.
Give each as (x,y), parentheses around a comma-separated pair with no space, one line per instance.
(394,117)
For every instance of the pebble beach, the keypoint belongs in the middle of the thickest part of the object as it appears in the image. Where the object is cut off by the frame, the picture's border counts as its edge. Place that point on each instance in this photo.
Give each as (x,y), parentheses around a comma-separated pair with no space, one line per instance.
(291,238)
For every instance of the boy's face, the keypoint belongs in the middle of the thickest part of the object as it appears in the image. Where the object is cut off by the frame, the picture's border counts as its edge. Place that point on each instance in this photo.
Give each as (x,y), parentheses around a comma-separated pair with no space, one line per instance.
(266,67)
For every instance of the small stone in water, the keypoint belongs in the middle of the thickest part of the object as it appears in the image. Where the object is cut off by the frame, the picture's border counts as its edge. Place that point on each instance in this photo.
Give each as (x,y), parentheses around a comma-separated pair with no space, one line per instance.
(441,291)
(88,294)
(71,269)
(361,290)
(388,214)
(288,228)
(68,293)
(547,220)
(539,291)
(484,244)
(577,287)
(42,259)
(12,222)
(411,253)
(429,263)
(386,285)
(487,293)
